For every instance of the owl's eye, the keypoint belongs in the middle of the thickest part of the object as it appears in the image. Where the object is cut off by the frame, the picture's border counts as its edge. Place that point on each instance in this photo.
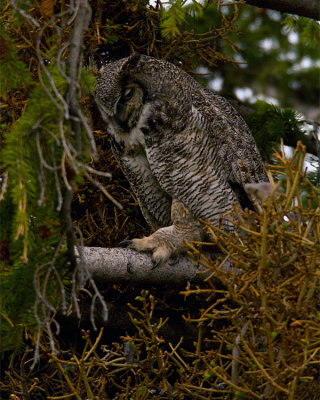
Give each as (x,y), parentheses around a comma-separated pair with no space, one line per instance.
(128,93)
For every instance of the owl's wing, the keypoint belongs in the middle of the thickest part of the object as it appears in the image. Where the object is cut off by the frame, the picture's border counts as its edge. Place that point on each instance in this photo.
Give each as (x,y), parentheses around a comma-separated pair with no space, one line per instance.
(237,150)
(154,202)
(206,164)
(184,168)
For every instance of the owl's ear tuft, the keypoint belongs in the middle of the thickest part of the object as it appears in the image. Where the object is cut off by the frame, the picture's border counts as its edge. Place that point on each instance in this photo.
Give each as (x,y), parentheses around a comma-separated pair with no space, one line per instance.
(128,66)
(133,60)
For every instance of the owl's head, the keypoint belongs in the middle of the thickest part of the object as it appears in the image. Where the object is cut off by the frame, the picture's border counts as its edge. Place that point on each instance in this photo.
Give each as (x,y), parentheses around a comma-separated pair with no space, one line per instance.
(118,93)
(124,86)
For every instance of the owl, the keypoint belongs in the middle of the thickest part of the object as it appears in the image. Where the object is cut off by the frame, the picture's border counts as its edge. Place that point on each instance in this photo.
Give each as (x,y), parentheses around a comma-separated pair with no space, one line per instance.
(185,150)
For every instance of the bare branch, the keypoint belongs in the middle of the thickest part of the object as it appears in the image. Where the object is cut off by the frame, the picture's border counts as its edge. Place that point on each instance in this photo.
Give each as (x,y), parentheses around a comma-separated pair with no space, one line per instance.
(82,19)
(304,8)
(95,171)
(24,14)
(4,184)
(126,265)
(103,190)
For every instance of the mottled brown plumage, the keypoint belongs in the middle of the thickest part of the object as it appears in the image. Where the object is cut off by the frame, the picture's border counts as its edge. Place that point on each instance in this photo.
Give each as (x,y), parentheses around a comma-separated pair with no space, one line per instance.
(185,150)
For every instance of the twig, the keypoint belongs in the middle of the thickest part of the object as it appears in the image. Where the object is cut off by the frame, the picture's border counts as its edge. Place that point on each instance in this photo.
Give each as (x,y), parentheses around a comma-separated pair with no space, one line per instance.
(24,14)
(57,181)
(262,369)
(66,377)
(103,190)
(235,355)
(4,184)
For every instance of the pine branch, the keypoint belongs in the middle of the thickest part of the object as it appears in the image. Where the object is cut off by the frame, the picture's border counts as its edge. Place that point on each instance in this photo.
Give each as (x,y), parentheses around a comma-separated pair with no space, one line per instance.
(304,8)
(310,141)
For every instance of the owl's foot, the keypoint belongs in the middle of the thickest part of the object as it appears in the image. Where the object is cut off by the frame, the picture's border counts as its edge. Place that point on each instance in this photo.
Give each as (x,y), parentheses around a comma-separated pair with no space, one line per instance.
(132,245)
(166,243)
(161,250)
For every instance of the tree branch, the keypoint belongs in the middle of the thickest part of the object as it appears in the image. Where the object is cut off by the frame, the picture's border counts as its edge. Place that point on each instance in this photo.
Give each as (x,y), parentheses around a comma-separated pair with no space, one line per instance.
(109,265)
(304,8)
(81,13)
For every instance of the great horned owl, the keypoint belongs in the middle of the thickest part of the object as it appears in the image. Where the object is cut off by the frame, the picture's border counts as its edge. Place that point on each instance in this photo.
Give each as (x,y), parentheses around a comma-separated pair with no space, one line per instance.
(185,150)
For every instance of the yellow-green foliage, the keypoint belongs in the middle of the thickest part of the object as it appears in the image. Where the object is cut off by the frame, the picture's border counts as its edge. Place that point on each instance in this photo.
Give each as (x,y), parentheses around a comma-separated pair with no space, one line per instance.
(271,293)
(14,73)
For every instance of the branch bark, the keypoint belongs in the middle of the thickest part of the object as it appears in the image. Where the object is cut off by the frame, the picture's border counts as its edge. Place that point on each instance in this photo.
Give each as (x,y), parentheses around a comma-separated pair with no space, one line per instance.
(116,265)
(304,8)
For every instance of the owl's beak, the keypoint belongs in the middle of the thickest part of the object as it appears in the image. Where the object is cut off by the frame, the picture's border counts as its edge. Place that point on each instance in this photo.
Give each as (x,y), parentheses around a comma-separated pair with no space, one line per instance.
(105,111)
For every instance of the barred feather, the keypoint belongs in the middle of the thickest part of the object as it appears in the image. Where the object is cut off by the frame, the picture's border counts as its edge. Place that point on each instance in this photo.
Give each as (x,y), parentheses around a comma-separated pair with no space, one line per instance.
(188,143)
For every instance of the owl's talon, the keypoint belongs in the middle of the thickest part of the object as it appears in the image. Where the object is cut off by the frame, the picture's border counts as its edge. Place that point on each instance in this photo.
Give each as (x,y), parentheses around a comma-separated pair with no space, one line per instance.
(125,243)
(155,264)
(173,261)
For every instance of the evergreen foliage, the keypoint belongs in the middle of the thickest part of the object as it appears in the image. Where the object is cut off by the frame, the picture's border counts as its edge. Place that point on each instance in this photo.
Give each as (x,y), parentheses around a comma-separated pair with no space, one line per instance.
(307,28)
(14,72)
(172,17)
(32,226)
(274,123)
(273,61)
(32,158)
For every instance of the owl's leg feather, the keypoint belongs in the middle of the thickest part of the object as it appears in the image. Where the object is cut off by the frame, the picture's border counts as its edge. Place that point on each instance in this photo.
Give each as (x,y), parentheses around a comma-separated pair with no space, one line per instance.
(169,242)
